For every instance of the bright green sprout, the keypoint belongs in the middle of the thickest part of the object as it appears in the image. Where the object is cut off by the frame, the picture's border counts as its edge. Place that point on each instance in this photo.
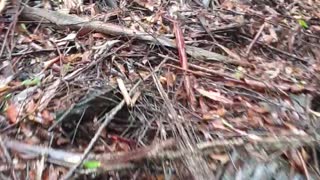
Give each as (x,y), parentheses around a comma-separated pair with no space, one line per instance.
(91,164)
(303,23)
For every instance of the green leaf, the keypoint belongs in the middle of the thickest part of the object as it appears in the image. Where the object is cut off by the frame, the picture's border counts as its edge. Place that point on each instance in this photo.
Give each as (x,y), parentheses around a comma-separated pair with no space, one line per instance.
(66,68)
(31,82)
(91,164)
(23,26)
(7,96)
(303,23)
(238,75)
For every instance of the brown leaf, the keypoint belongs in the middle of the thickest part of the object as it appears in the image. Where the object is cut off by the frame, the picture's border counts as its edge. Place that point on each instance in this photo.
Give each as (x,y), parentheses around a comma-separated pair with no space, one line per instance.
(73,57)
(221,111)
(122,147)
(62,141)
(47,117)
(149,4)
(12,113)
(294,129)
(297,88)
(30,107)
(209,115)
(216,96)
(223,158)
(259,109)
(162,79)
(50,62)
(99,35)
(214,114)
(170,79)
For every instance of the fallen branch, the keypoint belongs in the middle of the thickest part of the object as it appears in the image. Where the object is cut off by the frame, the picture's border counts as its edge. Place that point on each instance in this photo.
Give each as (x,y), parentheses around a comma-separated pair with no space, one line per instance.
(77,23)
(184,64)
(68,159)
(157,151)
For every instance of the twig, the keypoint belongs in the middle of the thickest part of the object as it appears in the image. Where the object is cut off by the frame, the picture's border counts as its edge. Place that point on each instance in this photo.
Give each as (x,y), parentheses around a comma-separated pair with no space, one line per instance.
(156,151)
(75,22)
(305,169)
(200,68)
(184,64)
(255,39)
(56,156)
(315,159)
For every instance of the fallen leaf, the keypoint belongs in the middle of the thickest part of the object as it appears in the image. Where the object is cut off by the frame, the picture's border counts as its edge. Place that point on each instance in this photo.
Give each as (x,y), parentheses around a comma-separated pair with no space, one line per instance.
(209,116)
(47,117)
(73,57)
(216,96)
(222,158)
(149,4)
(50,62)
(99,35)
(30,107)
(229,52)
(162,80)
(170,79)
(69,37)
(12,113)
(122,146)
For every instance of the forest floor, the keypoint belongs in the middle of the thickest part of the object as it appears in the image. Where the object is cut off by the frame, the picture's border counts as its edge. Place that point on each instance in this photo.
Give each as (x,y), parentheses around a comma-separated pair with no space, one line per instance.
(146,89)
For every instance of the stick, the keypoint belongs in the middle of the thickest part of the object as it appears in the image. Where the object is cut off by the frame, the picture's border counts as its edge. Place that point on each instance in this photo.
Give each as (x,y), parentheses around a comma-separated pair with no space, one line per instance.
(255,39)
(75,22)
